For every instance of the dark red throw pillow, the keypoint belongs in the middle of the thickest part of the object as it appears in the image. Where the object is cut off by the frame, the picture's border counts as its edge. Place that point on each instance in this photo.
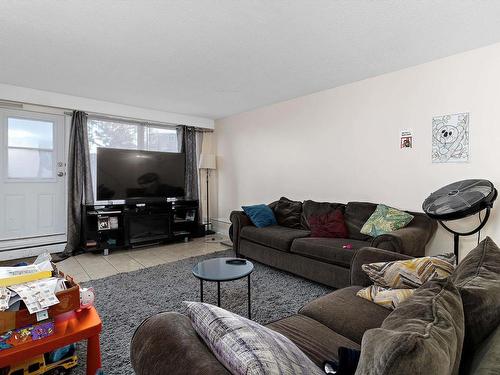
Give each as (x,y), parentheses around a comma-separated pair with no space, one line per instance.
(331,225)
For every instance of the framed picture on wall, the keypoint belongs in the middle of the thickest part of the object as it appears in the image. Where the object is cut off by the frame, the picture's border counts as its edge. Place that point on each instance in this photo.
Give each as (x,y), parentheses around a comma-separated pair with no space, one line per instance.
(406,139)
(450,138)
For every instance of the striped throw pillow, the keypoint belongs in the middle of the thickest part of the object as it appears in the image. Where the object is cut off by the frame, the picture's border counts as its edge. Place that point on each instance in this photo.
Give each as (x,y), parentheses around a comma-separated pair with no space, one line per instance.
(411,273)
(245,347)
(388,298)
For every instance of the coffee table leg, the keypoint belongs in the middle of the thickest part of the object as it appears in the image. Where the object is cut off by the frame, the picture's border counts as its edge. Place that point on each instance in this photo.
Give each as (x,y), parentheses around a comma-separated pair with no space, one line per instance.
(249,300)
(201,290)
(218,293)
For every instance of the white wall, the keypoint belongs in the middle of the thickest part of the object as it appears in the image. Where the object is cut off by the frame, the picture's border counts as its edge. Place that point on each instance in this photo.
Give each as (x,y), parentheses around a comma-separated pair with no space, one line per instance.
(53,99)
(342,144)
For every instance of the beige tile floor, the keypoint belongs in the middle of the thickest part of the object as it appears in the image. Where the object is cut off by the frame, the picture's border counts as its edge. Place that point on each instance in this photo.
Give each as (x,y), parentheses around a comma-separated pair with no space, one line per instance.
(91,266)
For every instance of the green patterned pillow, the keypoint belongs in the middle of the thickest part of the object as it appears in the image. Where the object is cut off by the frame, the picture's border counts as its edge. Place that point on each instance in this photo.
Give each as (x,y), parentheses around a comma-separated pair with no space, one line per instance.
(384,220)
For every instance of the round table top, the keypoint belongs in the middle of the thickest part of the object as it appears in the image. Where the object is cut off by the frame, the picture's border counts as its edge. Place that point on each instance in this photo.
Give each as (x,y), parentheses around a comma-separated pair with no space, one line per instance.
(218,269)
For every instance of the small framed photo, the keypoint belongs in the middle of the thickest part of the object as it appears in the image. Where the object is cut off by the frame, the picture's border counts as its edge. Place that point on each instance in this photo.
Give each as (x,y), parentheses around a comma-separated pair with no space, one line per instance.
(406,139)
(406,142)
(103,223)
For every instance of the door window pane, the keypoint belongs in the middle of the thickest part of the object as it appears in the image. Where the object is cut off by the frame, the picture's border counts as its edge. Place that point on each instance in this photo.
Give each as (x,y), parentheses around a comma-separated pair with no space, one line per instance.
(29,163)
(30,148)
(30,133)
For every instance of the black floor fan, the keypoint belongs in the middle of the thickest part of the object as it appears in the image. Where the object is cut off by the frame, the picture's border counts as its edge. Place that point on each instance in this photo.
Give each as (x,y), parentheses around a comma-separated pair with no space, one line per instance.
(459,200)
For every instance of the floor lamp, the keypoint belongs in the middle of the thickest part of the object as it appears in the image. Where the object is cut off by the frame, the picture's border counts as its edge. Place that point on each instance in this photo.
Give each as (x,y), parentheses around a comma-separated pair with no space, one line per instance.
(208,162)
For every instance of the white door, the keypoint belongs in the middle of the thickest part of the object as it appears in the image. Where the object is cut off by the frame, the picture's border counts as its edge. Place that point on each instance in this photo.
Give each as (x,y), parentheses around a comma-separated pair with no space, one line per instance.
(33,179)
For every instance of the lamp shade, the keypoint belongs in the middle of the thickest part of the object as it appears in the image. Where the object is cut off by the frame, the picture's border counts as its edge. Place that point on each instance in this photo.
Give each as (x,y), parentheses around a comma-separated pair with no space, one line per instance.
(207,161)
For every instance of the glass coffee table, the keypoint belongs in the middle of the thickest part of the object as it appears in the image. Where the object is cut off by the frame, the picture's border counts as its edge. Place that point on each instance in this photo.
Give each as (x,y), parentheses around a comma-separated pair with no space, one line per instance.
(224,269)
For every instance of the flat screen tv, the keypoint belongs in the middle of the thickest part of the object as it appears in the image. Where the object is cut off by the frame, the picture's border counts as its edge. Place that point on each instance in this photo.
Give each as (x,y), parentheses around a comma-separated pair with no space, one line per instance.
(123,174)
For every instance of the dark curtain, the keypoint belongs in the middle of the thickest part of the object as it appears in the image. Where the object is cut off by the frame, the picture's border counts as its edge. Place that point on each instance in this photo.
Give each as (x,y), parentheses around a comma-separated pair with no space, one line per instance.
(79,180)
(188,134)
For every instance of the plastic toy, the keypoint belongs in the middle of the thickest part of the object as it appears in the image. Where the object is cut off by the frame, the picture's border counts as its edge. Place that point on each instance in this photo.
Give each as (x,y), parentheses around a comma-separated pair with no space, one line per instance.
(59,362)
(61,353)
(87,298)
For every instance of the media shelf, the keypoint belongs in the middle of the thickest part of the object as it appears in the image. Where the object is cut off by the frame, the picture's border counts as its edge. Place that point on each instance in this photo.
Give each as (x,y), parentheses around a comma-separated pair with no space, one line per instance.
(138,223)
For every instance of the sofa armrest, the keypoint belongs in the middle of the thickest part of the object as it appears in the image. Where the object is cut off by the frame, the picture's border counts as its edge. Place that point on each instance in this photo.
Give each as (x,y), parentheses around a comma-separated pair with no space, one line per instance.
(367,255)
(410,240)
(167,343)
(239,219)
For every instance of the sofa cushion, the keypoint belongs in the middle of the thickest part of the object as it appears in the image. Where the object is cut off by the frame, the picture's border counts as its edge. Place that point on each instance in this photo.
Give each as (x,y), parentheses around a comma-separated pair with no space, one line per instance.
(330,225)
(260,215)
(277,237)
(345,313)
(172,333)
(356,214)
(317,341)
(486,358)
(288,213)
(312,269)
(385,220)
(310,208)
(327,250)
(477,277)
(424,335)
(245,347)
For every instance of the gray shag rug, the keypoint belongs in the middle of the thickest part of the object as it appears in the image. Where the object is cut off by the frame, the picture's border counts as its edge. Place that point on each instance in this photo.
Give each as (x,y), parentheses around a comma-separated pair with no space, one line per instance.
(125,300)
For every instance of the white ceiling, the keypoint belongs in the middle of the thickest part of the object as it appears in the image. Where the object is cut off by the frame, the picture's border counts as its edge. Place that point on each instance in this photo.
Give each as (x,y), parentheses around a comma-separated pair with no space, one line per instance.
(213,58)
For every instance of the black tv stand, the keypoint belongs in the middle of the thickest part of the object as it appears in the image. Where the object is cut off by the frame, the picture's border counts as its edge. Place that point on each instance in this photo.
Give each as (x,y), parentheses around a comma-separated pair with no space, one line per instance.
(139,222)
(151,200)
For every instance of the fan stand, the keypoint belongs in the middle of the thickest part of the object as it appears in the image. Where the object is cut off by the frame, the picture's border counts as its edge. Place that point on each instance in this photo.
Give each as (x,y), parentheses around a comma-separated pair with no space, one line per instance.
(456,235)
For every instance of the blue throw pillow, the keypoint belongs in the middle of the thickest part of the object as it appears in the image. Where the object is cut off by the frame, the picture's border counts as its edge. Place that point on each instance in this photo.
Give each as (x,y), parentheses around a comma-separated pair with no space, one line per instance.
(260,215)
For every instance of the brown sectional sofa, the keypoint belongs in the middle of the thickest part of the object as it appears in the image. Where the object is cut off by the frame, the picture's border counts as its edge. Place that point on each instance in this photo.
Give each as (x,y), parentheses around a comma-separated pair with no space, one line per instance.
(324,259)
(319,329)
(167,343)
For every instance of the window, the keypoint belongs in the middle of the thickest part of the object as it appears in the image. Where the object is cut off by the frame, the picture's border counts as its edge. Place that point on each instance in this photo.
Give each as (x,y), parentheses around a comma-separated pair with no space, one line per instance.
(128,135)
(160,139)
(30,145)
(135,136)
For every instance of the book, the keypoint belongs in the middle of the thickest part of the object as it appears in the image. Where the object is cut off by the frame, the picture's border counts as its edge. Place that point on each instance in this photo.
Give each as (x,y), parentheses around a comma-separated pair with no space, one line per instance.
(41,269)
(21,279)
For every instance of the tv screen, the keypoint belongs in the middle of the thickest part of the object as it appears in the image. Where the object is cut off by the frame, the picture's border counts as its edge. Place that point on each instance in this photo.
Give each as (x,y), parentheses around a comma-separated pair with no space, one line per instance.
(123,174)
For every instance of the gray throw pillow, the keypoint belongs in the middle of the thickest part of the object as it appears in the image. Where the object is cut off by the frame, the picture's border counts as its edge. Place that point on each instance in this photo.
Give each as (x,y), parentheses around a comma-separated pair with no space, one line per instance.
(245,347)
(477,277)
(288,213)
(424,335)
